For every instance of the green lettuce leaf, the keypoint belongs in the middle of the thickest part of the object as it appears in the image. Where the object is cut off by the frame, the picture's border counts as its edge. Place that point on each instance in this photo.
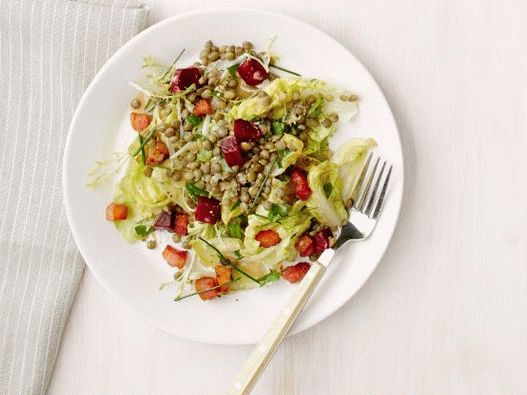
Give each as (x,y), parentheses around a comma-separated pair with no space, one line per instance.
(230,211)
(281,91)
(327,208)
(290,155)
(143,196)
(226,245)
(350,158)
(289,229)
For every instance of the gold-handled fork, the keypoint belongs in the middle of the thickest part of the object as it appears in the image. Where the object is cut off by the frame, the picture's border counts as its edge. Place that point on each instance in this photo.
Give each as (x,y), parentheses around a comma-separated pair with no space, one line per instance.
(367,201)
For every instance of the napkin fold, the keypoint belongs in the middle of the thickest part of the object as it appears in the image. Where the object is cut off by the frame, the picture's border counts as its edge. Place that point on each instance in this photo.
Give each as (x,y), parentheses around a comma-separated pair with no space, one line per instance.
(49,52)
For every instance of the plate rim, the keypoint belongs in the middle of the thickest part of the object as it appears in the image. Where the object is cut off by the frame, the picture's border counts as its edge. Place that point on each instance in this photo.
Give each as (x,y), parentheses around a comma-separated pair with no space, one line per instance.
(67,152)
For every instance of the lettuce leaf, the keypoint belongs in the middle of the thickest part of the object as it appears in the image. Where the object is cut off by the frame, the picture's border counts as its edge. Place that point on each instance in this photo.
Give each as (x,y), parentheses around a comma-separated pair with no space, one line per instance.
(289,228)
(290,155)
(226,245)
(229,211)
(281,91)
(143,196)
(350,158)
(326,203)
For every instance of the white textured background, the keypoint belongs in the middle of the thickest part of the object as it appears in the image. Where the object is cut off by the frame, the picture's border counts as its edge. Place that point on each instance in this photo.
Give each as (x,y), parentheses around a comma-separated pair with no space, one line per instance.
(446,310)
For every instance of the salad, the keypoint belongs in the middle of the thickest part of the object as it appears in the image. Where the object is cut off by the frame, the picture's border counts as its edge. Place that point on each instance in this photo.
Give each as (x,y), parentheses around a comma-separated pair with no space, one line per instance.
(230,169)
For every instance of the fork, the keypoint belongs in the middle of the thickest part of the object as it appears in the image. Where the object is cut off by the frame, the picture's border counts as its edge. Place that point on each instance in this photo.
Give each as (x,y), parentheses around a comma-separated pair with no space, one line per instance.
(367,202)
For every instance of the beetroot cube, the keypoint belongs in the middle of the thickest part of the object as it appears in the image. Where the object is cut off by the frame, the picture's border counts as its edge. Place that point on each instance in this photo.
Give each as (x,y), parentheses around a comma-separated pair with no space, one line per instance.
(183,78)
(165,221)
(207,210)
(321,241)
(252,72)
(246,131)
(232,152)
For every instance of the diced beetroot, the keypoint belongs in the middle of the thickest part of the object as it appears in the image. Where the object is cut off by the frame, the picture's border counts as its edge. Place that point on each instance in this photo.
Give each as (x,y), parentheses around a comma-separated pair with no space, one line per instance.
(175,257)
(252,72)
(207,210)
(246,131)
(304,245)
(232,152)
(204,285)
(202,107)
(223,276)
(299,179)
(116,212)
(295,273)
(181,223)
(165,221)
(183,78)
(140,121)
(268,238)
(321,241)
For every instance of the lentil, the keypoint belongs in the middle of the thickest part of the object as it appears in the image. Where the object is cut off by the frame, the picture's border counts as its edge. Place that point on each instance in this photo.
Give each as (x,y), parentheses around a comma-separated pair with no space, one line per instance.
(151,244)
(170,132)
(213,137)
(333,117)
(205,168)
(135,103)
(148,171)
(245,146)
(213,56)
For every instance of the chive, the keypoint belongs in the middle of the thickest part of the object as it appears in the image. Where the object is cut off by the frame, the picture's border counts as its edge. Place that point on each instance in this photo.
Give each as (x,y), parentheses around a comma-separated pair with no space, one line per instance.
(148,104)
(264,182)
(233,69)
(226,262)
(262,216)
(194,191)
(142,149)
(287,71)
(270,277)
(177,299)
(194,120)
(146,140)
(172,65)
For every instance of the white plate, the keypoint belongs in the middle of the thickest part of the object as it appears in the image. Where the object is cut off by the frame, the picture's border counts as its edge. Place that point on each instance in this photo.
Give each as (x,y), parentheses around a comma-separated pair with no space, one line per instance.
(100,126)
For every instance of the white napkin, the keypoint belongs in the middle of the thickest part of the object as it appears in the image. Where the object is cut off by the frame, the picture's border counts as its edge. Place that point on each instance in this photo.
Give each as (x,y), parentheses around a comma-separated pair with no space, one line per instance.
(50,51)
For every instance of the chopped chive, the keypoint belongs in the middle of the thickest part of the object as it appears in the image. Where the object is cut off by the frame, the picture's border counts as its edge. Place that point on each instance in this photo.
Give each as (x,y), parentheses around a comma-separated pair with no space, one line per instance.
(172,65)
(143,157)
(194,120)
(149,106)
(177,299)
(226,262)
(233,69)
(264,182)
(146,140)
(287,71)
(194,192)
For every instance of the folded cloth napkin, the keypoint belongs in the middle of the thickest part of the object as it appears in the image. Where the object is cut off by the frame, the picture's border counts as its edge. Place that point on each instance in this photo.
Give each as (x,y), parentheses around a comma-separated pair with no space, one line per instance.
(50,51)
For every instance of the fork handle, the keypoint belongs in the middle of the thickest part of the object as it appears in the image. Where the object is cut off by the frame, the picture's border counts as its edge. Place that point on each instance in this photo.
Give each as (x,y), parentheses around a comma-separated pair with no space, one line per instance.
(272,339)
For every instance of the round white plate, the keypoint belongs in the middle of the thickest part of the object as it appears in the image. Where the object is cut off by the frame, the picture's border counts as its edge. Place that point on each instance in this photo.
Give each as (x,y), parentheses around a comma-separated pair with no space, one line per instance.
(100,126)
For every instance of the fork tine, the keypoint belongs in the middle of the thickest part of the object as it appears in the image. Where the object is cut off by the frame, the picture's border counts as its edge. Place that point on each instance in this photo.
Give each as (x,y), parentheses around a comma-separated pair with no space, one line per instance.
(356,191)
(380,200)
(373,194)
(362,200)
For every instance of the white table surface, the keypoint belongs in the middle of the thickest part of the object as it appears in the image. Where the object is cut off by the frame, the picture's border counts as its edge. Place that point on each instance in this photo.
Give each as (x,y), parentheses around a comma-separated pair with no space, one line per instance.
(446,310)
